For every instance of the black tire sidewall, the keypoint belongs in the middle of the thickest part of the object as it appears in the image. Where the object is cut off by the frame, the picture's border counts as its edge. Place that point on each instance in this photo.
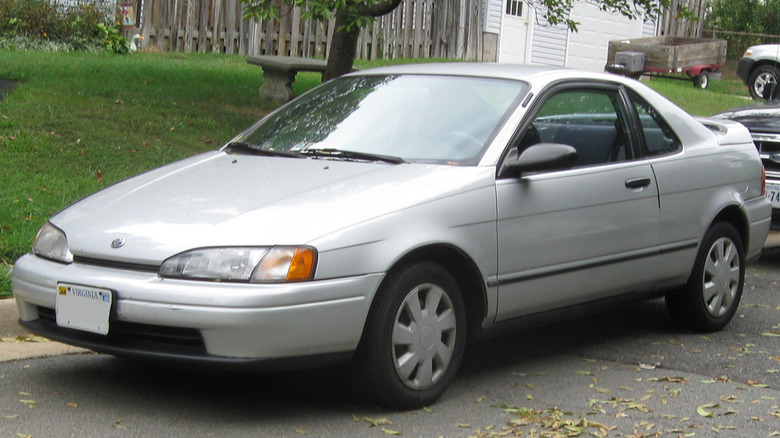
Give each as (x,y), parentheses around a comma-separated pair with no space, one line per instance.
(373,362)
(687,307)
(753,76)
(702,81)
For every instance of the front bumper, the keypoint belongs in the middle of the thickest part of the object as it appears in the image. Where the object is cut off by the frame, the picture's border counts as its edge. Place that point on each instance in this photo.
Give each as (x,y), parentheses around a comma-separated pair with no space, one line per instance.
(202,322)
(744,67)
(768,145)
(773,193)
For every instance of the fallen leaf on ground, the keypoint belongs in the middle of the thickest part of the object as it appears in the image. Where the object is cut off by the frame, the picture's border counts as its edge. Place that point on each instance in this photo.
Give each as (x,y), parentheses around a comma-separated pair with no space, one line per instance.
(378,421)
(702,410)
(31,338)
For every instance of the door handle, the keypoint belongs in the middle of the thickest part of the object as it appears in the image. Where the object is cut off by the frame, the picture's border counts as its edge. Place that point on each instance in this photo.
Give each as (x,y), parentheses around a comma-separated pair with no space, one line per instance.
(638,183)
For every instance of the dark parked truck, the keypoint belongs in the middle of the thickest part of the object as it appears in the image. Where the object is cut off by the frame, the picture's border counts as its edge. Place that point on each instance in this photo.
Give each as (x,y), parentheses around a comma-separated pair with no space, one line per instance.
(696,58)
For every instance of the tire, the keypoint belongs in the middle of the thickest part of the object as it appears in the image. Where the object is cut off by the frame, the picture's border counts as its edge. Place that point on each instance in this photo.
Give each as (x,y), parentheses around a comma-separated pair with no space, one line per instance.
(702,81)
(714,289)
(761,76)
(414,338)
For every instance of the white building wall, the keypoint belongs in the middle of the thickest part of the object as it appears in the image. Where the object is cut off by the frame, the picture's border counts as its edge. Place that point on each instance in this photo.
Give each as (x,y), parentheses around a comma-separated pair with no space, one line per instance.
(549,43)
(557,46)
(493,12)
(107,4)
(587,48)
(649,29)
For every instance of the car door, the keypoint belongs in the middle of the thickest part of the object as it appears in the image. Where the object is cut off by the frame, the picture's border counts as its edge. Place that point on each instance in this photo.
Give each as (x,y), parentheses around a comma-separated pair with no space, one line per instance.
(570,236)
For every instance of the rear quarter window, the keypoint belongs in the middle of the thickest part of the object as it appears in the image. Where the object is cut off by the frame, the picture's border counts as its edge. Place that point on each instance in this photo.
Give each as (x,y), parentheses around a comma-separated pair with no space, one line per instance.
(657,135)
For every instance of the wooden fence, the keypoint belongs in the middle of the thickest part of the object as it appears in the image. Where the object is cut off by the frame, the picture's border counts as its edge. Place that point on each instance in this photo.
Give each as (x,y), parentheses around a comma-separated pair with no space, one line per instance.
(673,23)
(416,29)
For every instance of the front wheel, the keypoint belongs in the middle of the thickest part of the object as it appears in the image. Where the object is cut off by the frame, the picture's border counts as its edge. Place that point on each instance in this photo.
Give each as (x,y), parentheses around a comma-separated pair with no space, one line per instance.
(763,75)
(714,289)
(414,338)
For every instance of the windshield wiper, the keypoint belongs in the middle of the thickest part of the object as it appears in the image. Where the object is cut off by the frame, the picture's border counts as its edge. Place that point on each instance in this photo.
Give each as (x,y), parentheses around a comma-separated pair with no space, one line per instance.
(238,146)
(351,155)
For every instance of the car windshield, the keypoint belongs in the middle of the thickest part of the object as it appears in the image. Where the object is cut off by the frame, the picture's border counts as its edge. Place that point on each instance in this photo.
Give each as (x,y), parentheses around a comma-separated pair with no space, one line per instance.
(392,119)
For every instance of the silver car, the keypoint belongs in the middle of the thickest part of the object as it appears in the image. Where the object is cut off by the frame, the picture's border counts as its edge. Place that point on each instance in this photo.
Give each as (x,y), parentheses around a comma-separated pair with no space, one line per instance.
(388,217)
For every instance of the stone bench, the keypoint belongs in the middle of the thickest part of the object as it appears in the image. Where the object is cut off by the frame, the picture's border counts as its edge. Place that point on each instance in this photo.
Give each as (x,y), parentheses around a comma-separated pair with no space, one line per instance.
(279,73)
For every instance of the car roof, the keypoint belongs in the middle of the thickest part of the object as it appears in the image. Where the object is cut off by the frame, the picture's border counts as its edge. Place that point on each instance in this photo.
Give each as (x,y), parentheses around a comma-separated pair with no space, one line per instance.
(528,73)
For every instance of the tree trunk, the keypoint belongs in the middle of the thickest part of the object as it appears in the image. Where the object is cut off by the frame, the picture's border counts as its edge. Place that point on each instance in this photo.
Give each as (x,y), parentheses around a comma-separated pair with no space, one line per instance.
(342,51)
(344,43)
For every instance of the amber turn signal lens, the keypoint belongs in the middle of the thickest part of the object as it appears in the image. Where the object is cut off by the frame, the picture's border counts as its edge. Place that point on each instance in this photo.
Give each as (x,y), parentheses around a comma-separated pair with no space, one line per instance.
(302,265)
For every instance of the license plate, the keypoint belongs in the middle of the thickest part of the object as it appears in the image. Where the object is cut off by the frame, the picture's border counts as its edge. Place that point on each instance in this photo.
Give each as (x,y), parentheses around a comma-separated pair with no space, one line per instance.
(83,307)
(773,193)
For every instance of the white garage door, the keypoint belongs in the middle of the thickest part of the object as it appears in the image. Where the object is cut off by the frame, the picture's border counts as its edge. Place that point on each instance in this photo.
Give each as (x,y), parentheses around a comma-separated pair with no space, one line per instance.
(588,46)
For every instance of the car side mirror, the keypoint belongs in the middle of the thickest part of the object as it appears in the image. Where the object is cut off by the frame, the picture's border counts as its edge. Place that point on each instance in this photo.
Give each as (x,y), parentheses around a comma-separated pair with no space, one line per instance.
(770,91)
(539,157)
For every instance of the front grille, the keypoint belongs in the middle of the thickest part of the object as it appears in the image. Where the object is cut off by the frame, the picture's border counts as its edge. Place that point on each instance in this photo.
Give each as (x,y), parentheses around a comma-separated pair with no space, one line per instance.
(131,336)
(769,148)
(116,265)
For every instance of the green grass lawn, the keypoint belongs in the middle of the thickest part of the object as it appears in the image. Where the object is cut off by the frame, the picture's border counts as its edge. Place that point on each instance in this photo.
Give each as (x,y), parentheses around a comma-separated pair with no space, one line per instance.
(718,96)
(79,122)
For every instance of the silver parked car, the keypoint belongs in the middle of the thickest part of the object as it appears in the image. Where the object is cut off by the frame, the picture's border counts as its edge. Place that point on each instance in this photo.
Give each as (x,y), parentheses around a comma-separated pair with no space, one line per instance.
(387,217)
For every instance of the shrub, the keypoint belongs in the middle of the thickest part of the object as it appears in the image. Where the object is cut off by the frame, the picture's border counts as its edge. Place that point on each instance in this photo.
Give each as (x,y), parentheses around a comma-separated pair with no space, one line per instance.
(752,21)
(47,25)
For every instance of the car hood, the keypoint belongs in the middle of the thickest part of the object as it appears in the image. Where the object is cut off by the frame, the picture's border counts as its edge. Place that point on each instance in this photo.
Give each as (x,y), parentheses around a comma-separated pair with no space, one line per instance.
(218,199)
(761,117)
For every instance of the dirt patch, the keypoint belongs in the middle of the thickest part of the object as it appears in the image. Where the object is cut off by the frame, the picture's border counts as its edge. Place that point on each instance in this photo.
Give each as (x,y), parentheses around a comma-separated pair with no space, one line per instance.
(6,87)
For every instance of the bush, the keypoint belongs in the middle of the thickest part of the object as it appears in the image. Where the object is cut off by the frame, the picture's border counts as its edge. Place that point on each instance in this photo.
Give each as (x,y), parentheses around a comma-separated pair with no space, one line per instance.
(46,25)
(752,21)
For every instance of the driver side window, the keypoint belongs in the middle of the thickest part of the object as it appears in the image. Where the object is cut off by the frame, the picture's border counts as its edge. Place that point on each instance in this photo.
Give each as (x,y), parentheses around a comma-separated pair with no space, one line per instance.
(589,120)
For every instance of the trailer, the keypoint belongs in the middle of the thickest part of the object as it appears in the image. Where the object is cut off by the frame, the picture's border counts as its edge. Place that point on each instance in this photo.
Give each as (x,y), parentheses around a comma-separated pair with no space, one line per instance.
(699,59)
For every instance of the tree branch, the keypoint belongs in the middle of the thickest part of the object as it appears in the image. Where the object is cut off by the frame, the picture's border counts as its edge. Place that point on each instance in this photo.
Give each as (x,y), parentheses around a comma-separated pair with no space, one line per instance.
(378,9)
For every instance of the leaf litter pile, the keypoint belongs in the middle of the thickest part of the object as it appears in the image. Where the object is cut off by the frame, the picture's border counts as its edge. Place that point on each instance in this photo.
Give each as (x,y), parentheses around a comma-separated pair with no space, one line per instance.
(632,416)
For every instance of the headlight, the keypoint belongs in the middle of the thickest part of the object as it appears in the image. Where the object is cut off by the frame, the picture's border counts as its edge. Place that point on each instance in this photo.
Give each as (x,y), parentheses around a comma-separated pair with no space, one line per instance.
(274,264)
(52,244)
(748,52)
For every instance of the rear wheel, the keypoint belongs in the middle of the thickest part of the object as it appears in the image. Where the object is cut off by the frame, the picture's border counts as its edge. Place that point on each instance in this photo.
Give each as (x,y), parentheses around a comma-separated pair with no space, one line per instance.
(414,338)
(714,288)
(762,76)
